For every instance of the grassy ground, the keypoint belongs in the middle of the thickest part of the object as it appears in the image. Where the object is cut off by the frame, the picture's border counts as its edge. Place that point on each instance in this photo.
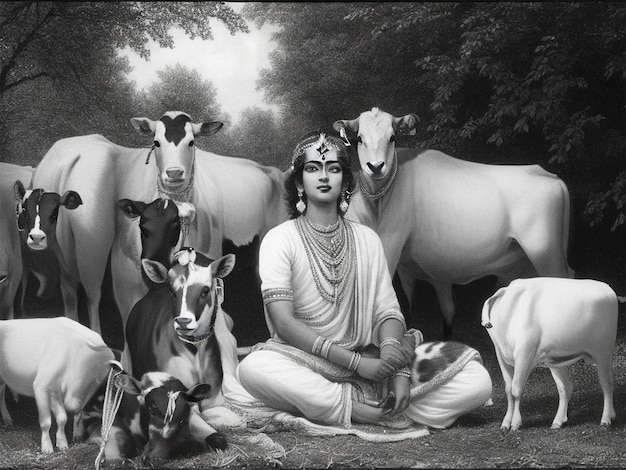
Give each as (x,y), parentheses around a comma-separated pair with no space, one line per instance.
(475,441)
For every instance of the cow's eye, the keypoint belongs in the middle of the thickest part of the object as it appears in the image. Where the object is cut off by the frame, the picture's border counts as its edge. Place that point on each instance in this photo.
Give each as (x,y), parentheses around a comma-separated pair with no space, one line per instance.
(191,143)
(205,292)
(156,143)
(359,140)
(392,139)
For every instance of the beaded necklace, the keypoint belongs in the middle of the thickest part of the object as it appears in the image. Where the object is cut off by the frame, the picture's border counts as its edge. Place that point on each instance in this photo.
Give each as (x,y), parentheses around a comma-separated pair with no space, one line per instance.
(331,252)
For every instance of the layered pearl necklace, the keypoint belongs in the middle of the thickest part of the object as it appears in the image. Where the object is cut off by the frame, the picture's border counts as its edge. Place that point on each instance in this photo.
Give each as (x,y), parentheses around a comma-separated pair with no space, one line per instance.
(331,252)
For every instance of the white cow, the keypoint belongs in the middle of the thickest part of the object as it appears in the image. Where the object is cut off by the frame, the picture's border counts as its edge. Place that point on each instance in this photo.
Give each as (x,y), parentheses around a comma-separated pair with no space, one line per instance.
(236,199)
(449,221)
(552,322)
(57,361)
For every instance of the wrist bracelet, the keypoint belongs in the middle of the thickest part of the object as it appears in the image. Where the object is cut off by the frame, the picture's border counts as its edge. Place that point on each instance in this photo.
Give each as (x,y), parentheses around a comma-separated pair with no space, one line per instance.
(390,341)
(354,361)
(325,349)
(321,347)
(317,344)
(404,372)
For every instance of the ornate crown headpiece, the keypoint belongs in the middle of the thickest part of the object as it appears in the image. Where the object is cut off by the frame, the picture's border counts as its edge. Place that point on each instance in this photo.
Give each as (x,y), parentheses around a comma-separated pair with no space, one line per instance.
(322,143)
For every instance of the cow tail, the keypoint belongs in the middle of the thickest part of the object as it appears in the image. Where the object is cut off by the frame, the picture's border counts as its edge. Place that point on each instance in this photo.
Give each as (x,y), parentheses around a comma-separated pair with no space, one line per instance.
(567,228)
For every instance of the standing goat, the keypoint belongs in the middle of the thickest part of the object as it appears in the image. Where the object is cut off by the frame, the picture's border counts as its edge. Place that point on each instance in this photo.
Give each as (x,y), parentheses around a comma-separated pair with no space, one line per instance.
(57,361)
(552,322)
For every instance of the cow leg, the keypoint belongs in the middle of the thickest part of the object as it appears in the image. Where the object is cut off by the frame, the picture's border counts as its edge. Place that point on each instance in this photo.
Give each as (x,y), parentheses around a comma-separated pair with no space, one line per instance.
(523,366)
(78,430)
(60,416)
(69,290)
(548,261)
(25,273)
(446,305)
(604,368)
(407,282)
(6,417)
(45,418)
(507,375)
(91,276)
(202,431)
(94,312)
(119,445)
(565,386)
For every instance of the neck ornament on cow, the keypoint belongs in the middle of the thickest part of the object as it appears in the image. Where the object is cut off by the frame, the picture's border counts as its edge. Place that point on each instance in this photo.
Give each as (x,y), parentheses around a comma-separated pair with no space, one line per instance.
(385,188)
(183,194)
(196,340)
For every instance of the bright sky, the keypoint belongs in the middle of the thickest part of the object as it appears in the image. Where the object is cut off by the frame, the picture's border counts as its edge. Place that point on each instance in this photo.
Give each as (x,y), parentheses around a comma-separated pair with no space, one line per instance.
(230,63)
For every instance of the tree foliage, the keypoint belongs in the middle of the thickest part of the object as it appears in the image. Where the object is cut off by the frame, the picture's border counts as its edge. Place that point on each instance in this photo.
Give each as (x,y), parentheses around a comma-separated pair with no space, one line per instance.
(259,136)
(498,82)
(61,72)
(63,40)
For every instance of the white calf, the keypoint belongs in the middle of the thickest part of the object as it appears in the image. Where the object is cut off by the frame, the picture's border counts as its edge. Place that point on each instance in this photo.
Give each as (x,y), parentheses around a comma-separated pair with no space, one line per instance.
(552,322)
(56,360)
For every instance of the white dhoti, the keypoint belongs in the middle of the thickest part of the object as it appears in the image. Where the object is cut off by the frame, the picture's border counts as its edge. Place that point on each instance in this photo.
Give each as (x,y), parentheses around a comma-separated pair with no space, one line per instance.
(281,383)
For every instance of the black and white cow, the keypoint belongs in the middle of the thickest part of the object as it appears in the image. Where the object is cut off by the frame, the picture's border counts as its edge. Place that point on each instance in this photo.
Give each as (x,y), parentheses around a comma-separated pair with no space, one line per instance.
(157,416)
(37,214)
(161,332)
(171,329)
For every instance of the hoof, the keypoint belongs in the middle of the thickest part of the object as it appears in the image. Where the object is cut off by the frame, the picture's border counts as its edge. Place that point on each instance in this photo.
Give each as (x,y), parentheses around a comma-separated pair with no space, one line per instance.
(216,441)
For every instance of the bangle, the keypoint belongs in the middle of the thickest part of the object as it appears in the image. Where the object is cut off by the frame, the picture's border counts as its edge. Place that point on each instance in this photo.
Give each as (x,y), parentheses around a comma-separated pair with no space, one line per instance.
(317,344)
(321,347)
(404,372)
(354,361)
(325,349)
(390,341)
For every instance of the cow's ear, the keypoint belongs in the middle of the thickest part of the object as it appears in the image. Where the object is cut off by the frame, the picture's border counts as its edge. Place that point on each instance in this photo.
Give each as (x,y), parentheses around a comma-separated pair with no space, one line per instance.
(198,393)
(207,128)
(132,209)
(71,200)
(222,267)
(406,124)
(18,189)
(144,125)
(128,383)
(155,271)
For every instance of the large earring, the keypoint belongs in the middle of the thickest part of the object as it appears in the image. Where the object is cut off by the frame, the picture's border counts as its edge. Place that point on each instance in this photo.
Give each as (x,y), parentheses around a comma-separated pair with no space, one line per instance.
(344,204)
(300,205)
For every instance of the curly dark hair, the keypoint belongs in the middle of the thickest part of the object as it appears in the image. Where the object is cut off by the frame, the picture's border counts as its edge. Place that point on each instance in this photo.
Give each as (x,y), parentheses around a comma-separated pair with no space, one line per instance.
(297,168)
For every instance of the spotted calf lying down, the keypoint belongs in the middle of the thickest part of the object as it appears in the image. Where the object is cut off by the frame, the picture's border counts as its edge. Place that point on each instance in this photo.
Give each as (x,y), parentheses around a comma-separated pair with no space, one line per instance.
(159,414)
(552,322)
(59,362)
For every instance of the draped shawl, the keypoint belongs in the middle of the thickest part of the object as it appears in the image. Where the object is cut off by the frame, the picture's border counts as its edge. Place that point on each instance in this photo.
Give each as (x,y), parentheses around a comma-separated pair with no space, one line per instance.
(286,274)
